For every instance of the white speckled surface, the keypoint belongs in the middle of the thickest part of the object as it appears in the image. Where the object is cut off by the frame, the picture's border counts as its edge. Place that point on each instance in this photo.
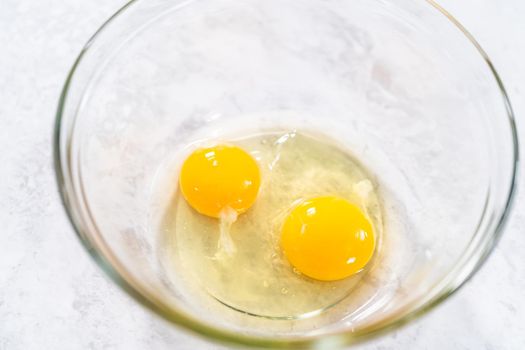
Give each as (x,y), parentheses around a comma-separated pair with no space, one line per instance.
(52,296)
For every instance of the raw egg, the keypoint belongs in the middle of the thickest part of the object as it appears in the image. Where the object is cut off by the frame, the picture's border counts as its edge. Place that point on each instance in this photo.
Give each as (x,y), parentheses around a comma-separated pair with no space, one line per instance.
(327,238)
(216,180)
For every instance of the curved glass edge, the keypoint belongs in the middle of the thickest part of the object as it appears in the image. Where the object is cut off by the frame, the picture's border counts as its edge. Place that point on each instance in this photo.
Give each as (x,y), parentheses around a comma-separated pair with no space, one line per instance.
(107,261)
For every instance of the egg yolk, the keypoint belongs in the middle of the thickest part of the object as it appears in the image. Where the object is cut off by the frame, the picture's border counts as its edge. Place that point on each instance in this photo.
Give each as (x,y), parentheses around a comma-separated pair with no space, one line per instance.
(327,238)
(217,179)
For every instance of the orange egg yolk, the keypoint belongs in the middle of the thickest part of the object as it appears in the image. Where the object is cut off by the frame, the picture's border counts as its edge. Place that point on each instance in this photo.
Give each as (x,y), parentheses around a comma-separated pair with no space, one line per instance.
(220,178)
(327,238)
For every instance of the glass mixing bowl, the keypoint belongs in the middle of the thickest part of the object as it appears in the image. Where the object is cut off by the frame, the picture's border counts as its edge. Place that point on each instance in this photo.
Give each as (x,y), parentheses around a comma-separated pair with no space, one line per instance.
(399,83)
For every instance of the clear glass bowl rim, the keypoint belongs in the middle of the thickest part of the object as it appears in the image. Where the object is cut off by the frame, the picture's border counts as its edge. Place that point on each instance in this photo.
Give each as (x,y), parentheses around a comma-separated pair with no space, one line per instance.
(116,271)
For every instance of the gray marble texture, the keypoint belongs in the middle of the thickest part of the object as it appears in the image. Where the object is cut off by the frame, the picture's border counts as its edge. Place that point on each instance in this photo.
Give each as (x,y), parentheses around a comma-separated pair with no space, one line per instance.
(53,296)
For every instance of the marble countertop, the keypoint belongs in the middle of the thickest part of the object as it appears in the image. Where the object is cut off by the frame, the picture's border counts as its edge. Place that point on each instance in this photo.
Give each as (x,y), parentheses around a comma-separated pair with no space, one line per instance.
(53,296)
